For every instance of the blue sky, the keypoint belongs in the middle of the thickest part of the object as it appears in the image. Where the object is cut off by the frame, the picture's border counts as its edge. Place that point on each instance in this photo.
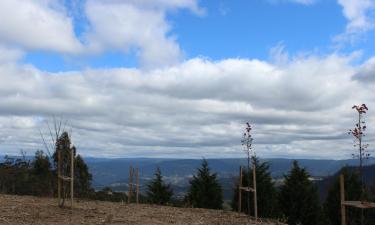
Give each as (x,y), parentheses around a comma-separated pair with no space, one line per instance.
(226,29)
(248,29)
(160,78)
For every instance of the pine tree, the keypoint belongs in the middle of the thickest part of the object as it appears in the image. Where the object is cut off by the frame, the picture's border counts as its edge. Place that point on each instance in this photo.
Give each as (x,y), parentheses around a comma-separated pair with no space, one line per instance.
(82,178)
(41,175)
(157,191)
(353,189)
(205,190)
(266,192)
(371,212)
(298,198)
(15,175)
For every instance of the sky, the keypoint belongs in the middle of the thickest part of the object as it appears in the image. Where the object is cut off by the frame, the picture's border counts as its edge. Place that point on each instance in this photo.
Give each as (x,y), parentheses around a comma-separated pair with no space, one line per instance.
(180,78)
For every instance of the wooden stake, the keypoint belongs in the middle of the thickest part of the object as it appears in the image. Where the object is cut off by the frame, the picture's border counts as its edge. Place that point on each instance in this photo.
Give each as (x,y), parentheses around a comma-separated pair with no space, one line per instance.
(240,191)
(130,183)
(255,193)
(342,197)
(58,175)
(71,177)
(137,188)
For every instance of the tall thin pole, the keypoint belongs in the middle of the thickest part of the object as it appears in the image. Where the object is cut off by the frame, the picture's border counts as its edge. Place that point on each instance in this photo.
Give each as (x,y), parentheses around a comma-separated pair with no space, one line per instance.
(255,192)
(71,177)
(342,197)
(360,147)
(130,183)
(361,163)
(137,177)
(239,191)
(248,182)
(58,175)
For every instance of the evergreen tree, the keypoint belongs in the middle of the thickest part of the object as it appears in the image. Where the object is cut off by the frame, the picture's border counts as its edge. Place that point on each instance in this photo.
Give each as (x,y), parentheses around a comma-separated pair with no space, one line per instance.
(157,191)
(298,198)
(15,175)
(41,175)
(371,212)
(332,207)
(266,192)
(82,178)
(205,190)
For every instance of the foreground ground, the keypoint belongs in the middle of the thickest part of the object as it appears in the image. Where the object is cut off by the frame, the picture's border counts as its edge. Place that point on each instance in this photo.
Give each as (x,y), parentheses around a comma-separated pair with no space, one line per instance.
(17,210)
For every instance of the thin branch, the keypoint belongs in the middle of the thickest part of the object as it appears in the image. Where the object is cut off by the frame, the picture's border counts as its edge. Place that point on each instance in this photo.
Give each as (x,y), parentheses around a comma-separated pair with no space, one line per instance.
(50,132)
(55,126)
(45,144)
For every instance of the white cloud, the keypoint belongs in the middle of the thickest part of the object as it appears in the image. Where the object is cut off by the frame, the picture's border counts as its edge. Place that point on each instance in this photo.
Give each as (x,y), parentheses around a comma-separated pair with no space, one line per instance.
(192,5)
(366,73)
(358,13)
(9,55)
(37,25)
(299,106)
(129,27)
(134,27)
(278,55)
(193,109)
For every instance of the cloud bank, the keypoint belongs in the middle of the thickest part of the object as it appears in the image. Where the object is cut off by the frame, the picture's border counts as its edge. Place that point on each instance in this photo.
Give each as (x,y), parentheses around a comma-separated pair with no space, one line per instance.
(172,106)
(196,108)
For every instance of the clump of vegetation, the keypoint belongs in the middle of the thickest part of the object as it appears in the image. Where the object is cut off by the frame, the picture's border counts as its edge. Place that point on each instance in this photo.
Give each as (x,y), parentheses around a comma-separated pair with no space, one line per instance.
(266,191)
(205,190)
(158,192)
(332,204)
(298,198)
(38,177)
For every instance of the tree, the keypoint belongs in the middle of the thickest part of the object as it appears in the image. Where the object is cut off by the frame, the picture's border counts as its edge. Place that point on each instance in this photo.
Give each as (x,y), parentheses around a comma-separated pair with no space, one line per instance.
(157,191)
(205,190)
(298,198)
(247,143)
(15,175)
(41,175)
(358,133)
(353,192)
(82,178)
(63,145)
(266,192)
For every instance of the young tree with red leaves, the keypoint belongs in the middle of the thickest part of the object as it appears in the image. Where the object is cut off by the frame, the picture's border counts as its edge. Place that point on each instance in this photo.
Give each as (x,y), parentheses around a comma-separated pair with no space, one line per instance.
(358,134)
(363,154)
(247,142)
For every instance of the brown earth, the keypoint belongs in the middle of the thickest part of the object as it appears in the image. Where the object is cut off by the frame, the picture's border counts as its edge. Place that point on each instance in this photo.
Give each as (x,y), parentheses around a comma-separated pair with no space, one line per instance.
(19,210)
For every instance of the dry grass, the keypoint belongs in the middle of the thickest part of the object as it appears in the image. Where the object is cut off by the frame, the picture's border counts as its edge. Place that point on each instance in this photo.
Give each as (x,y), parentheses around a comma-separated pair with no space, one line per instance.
(16,210)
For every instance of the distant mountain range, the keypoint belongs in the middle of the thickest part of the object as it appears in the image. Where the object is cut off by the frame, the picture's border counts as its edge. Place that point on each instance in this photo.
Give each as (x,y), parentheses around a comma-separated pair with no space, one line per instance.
(114,172)
(368,178)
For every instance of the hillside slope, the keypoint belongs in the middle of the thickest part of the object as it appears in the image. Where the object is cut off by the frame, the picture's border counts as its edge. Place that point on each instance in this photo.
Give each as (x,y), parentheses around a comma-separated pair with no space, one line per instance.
(16,210)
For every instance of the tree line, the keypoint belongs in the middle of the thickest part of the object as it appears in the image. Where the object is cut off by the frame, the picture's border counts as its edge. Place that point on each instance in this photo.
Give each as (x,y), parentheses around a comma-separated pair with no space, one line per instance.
(22,176)
(296,201)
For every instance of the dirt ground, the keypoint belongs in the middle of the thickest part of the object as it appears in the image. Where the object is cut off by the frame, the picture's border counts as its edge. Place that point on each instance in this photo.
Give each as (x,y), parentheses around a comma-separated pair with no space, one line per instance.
(17,210)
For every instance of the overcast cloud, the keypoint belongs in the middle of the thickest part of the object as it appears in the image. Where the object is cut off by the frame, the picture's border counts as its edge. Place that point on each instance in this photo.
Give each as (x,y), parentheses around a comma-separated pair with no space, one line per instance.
(172,106)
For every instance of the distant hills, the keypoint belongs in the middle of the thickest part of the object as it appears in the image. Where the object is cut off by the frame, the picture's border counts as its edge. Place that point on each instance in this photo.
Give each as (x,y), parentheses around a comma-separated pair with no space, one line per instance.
(115,172)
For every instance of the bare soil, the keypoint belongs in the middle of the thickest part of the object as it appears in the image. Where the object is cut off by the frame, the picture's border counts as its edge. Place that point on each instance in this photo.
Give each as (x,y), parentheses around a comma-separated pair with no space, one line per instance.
(19,210)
